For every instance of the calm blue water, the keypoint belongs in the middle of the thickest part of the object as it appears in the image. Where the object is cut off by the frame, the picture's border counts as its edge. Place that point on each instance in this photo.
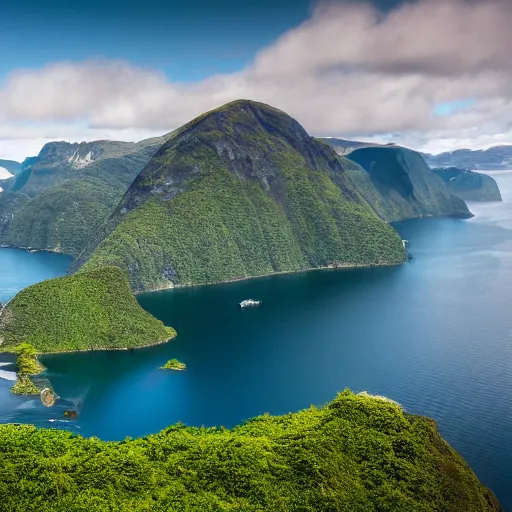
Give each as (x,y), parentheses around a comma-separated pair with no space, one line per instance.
(19,269)
(434,334)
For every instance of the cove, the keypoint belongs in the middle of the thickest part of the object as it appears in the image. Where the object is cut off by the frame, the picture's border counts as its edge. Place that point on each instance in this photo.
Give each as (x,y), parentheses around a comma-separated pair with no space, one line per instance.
(433,334)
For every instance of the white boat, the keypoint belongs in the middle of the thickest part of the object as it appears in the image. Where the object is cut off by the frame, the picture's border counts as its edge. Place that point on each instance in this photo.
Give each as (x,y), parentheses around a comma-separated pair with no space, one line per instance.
(250,303)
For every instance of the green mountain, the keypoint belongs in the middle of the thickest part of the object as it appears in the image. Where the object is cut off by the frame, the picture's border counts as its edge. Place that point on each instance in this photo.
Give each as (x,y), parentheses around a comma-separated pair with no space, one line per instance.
(357,454)
(10,165)
(469,185)
(240,191)
(90,310)
(399,185)
(70,190)
(496,158)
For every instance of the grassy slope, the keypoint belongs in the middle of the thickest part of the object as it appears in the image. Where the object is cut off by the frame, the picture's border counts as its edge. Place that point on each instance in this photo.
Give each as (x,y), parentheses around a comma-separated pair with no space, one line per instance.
(240,192)
(356,454)
(91,310)
(399,185)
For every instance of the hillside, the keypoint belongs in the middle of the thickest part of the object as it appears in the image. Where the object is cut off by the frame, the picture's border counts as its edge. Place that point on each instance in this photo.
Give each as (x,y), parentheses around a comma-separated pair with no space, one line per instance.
(496,158)
(90,310)
(358,453)
(73,188)
(240,191)
(469,185)
(399,185)
(10,165)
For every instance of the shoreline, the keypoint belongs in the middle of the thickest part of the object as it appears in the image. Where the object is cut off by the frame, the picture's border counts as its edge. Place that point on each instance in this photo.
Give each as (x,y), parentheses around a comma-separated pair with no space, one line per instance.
(34,250)
(282,272)
(42,354)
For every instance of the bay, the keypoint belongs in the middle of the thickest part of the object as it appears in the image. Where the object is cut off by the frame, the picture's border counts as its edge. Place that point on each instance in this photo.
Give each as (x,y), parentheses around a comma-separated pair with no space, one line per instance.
(434,334)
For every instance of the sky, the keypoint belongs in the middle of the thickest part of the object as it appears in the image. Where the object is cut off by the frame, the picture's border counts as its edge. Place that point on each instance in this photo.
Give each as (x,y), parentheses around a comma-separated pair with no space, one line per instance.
(433,75)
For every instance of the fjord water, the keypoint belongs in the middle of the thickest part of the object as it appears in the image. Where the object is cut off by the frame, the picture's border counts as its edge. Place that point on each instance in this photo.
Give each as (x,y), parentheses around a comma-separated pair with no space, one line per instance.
(434,334)
(19,269)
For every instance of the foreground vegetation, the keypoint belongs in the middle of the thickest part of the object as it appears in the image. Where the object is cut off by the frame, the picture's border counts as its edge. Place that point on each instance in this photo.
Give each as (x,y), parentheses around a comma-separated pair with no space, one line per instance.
(90,310)
(173,364)
(241,191)
(356,454)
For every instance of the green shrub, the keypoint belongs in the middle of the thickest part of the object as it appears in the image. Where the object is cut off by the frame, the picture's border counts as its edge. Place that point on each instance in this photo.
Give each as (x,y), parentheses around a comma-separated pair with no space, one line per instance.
(357,454)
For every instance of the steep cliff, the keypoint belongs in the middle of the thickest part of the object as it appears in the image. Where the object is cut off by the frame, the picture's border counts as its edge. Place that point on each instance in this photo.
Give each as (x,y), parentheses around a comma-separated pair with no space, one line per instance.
(399,185)
(469,185)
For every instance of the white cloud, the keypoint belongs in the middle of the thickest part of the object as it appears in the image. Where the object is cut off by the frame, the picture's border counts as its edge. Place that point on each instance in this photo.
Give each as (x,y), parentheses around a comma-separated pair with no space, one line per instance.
(4,174)
(347,71)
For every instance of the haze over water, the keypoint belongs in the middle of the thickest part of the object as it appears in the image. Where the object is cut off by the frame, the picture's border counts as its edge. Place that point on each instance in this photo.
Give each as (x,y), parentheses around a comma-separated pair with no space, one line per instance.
(434,334)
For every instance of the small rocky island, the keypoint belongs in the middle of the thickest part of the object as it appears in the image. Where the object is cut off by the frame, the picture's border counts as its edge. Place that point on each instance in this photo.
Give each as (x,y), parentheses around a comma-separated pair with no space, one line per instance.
(27,366)
(174,364)
(469,185)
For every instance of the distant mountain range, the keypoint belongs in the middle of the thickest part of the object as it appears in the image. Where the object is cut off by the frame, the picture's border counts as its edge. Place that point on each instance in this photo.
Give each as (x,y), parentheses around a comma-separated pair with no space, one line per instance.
(497,158)
(469,185)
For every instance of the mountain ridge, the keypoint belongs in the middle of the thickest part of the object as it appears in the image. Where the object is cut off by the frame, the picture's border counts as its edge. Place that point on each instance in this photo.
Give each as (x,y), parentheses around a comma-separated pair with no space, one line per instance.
(495,158)
(60,198)
(242,190)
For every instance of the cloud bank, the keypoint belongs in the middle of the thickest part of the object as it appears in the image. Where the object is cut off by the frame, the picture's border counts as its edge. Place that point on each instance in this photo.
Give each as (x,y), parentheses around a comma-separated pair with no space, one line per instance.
(350,70)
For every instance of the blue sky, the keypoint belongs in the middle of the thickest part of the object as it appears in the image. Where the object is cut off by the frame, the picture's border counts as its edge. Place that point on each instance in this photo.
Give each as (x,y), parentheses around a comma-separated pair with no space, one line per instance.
(187,39)
(365,69)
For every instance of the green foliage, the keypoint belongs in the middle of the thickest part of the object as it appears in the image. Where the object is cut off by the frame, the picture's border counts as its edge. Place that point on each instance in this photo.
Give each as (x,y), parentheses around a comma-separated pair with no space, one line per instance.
(241,191)
(356,454)
(24,386)
(90,310)
(173,364)
(26,362)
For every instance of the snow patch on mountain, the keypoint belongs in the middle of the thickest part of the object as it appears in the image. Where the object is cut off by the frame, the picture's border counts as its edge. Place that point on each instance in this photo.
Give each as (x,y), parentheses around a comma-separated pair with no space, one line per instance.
(78,162)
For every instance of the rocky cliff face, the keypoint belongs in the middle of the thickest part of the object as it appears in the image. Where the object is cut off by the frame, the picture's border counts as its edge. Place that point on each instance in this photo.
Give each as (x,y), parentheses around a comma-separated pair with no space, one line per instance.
(399,185)
(241,191)
(469,185)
